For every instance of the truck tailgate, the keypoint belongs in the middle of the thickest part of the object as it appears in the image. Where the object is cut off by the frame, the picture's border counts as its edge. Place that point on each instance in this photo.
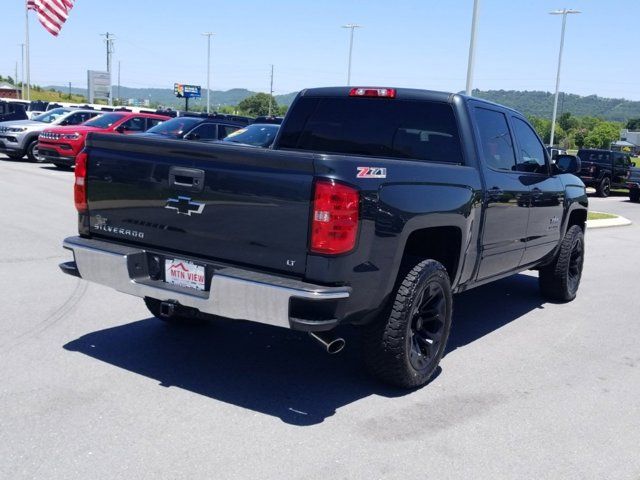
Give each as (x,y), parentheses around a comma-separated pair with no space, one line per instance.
(229,203)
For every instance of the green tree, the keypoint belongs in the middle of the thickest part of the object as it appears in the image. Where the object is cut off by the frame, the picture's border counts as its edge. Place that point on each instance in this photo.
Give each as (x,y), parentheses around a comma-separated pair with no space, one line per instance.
(258,104)
(568,122)
(602,135)
(542,126)
(579,137)
(633,124)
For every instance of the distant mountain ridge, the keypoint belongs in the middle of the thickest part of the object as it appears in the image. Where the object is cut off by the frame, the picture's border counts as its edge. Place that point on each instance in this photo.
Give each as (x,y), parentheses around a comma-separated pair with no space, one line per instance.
(536,103)
(165,96)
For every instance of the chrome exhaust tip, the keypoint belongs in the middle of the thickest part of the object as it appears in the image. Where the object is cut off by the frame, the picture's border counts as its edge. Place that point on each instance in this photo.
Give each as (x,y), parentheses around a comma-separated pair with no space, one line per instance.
(331,344)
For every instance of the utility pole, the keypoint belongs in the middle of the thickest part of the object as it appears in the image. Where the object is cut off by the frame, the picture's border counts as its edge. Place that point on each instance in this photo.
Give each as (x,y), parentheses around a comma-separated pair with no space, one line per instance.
(69,90)
(271,91)
(15,79)
(119,82)
(208,35)
(26,43)
(108,40)
(472,47)
(352,27)
(21,70)
(564,12)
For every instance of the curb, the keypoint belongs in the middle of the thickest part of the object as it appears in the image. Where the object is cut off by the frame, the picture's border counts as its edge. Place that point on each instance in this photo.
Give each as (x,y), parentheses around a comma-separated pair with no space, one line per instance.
(608,222)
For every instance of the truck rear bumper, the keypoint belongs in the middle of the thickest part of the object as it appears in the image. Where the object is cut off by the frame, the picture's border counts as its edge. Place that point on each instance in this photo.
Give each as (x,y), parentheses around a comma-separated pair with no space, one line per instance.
(234,293)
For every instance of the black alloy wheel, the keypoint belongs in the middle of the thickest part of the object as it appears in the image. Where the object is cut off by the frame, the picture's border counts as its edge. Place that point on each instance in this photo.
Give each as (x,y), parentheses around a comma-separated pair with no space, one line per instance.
(427,326)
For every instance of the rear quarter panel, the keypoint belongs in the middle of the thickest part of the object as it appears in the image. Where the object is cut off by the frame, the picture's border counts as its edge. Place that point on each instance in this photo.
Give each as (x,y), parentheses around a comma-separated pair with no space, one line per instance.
(413,196)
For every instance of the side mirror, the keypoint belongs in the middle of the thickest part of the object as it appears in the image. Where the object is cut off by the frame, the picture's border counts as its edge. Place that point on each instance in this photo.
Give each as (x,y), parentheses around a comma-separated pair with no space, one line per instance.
(192,136)
(121,129)
(568,164)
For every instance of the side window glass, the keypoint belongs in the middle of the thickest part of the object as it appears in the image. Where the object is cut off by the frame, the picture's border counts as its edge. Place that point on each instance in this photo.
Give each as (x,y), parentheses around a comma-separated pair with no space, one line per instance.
(225,130)
(495,139)
(152,122)
(206,131)
(135,124)
(530,156)
(74,119)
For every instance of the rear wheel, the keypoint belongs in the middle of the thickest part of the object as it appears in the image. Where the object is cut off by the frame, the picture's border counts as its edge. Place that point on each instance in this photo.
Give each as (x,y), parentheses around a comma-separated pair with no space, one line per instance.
(559,281)
(405,347)
(178,315)
(604,187)
(634,194)
(32,152)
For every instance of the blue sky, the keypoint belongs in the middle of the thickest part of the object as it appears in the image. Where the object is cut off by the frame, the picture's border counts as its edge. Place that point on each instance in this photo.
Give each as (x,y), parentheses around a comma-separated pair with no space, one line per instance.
(421,43)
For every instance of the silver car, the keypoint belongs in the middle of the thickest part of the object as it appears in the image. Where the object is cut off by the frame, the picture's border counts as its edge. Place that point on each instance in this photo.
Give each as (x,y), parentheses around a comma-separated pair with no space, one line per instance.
(20,137)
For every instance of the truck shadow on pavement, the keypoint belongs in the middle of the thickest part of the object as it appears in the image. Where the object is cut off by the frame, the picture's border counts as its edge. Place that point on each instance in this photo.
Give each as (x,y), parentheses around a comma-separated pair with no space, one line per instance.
(279,372)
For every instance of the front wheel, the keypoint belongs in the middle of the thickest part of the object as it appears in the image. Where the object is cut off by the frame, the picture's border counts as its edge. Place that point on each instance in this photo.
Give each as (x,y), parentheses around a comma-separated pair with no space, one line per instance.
(634,195)
(405,347)
(604,187)
(559,281)
(32,152)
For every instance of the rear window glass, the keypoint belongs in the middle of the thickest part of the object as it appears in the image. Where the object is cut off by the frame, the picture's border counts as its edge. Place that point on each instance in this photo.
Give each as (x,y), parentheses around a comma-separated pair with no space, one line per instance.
(374,127)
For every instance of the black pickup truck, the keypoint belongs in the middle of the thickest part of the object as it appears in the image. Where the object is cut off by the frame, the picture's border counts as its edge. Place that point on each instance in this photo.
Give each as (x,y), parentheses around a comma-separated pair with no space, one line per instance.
(373,207)
(604,169)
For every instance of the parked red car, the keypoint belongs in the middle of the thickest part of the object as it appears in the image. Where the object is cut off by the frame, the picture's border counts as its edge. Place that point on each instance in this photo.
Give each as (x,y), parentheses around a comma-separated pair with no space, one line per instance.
(60,145)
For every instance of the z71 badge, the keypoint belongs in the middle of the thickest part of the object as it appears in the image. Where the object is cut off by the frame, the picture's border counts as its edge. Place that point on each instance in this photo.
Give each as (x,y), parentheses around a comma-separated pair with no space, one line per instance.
(371,172)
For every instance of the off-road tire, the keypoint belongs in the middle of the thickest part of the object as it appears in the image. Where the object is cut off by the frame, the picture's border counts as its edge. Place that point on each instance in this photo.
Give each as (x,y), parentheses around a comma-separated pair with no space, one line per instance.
(559,281)
(604,187)
(32,152)
(388,341)
(183,316)
(634,195)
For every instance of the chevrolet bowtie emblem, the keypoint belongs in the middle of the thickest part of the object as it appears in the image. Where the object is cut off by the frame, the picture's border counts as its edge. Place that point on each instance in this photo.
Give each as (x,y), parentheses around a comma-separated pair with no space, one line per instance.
(184,206)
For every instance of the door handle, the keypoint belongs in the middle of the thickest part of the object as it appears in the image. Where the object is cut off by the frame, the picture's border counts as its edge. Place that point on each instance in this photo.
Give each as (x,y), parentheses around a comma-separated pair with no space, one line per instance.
(189,179)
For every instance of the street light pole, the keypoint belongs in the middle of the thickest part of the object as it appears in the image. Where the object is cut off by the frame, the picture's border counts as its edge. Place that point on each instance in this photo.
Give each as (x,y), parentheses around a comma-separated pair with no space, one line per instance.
(564,12)
(472,47)
(208,35)
(352,27)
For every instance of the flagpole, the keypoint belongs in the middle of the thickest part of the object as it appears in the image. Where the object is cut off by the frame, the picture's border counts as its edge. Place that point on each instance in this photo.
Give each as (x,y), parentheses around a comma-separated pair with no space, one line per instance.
(26,43)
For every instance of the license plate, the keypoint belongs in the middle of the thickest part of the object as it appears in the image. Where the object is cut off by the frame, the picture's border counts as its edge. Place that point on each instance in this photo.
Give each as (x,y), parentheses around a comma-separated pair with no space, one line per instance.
(184,273)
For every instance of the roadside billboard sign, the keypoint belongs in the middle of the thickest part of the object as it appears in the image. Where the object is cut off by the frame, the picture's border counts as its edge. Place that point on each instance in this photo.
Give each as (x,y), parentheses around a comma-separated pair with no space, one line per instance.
(182,90)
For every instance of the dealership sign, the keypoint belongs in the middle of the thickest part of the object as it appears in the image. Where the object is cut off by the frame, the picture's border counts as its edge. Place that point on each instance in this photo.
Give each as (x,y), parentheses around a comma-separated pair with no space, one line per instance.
(99,85)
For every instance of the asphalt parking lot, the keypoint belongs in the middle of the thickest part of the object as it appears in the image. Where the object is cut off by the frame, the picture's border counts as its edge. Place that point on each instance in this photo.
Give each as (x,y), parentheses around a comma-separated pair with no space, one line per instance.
(93,387)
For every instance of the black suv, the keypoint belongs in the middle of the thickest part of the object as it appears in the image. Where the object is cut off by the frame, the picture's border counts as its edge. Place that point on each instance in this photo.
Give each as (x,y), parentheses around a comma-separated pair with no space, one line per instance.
(633,183)
(604,169)
(200,126)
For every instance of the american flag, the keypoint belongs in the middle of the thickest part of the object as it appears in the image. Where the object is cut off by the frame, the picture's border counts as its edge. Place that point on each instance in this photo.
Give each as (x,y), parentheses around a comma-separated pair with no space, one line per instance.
(51,13)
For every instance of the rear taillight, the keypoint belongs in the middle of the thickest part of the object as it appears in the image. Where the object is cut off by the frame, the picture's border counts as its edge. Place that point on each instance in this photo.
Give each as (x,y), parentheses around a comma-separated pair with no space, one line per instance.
(80,185)
(334,225)
(373,92)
